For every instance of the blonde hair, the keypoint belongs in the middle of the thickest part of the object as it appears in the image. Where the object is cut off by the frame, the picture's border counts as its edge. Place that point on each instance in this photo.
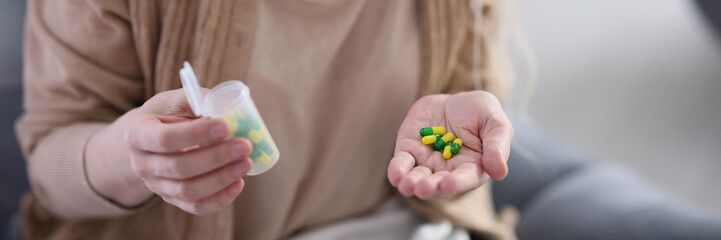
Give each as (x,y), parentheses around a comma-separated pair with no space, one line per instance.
(496,24)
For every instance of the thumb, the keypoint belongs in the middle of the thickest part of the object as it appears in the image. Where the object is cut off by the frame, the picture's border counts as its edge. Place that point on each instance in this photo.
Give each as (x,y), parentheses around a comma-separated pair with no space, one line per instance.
(171,103)
(496,148)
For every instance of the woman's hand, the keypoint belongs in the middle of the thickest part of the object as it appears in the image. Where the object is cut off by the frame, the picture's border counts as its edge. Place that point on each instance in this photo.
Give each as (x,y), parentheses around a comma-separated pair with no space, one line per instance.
(185,160)
(477,119)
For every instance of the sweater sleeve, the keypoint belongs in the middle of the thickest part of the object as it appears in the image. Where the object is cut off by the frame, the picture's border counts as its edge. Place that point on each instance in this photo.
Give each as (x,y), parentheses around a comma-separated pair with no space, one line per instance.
(80,73)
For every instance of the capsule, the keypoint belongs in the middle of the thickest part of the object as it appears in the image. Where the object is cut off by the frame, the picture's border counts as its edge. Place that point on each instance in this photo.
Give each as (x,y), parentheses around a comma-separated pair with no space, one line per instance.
(242,129)
(236,126)
(255,136)
(439,145)
(232,125)
(257,153)
(264,159)
(456,147)
(252,122)
(432,130)
(264,146)
(259,156)
(448,137)
(430,139)
(447,152)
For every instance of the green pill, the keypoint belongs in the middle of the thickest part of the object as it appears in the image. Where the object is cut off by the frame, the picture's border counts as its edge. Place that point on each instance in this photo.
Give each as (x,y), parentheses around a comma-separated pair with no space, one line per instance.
(263,146)
(252,122)
(256,154)
(439,145)
(432,130)
(268,150)
(242,130)
(456,146)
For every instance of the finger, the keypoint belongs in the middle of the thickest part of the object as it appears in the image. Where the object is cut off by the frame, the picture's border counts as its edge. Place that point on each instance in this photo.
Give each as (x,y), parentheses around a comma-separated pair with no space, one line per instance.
(400,165)
(465,177)
(409,181)
(497,147)
(150,134)
(212,203)
(428,186)
(202,186)
(415,148)
(196,162)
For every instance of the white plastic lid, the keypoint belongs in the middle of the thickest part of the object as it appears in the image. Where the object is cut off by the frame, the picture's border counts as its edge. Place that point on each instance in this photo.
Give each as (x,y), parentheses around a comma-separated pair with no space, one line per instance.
(192,89)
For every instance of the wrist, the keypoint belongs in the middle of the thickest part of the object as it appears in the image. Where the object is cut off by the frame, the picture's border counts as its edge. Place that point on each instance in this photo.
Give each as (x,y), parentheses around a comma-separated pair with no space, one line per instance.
(108,169)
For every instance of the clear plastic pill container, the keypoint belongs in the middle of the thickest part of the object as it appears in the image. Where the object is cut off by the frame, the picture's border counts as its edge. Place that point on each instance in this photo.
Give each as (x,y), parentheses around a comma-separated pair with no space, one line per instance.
(231,102)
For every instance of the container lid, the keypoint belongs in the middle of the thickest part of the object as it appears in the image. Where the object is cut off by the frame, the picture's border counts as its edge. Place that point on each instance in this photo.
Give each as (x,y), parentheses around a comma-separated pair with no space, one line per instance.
(192,89)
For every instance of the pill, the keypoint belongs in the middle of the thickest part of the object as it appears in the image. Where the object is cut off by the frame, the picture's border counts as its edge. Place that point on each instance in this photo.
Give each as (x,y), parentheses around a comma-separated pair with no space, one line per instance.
(264,159)
(232,124)
(252,122)
(265,133)
(236,125)
(439,145)
(267,149)
(242,130)
(430,139)
(448,137)
(456,147)
(432,130)
(264,146)
(255,136)
(256,154)
(447,152)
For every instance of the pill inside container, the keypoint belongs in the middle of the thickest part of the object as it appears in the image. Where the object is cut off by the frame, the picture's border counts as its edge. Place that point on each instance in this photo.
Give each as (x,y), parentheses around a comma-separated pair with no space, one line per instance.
(231,102)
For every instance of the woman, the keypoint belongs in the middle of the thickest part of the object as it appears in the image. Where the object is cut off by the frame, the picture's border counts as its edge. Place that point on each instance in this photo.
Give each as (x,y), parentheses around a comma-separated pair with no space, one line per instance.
(337,82)
(104,130)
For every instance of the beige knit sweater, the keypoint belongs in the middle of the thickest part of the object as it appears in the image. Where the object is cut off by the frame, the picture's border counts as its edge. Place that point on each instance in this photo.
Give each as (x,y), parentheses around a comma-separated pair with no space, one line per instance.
(88,62)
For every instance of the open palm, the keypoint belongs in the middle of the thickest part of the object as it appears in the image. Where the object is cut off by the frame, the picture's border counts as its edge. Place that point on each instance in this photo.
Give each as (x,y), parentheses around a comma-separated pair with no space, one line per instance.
(475,117)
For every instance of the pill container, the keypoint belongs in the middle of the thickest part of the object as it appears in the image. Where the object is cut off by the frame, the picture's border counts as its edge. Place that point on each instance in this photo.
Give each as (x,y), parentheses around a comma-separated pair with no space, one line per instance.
(231,102)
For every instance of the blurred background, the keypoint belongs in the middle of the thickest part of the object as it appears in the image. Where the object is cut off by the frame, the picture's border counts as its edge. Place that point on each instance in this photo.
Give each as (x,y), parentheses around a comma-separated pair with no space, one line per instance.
(13,180)
(637,82)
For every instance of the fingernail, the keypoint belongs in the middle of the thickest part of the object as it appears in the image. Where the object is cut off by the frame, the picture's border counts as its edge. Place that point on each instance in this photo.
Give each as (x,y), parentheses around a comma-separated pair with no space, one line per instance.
(218,131)
(236,150)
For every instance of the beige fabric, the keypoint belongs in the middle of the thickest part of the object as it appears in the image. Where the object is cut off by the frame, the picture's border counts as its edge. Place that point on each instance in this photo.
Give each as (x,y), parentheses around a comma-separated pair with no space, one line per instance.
(117,54)
(483,221)
(71,80)
(320,74)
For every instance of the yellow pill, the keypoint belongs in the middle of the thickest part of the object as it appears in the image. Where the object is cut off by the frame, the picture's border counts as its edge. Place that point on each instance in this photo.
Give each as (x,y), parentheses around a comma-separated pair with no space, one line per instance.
(255,136)
(448,137)
(232,124)
(264,159)
(447,152)
(429,139)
